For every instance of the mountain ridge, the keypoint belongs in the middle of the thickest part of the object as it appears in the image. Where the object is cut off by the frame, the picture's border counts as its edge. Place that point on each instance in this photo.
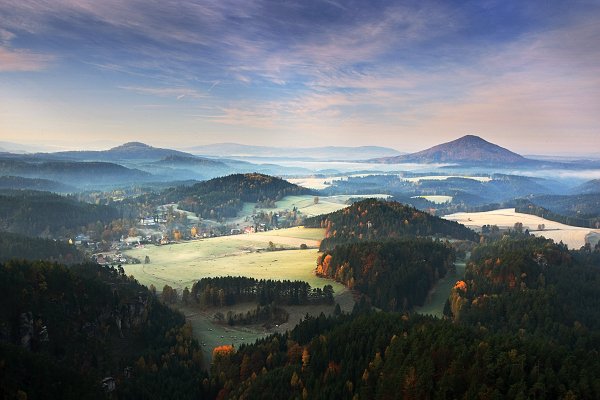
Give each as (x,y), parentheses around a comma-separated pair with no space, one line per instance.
(466,149)
(319,152)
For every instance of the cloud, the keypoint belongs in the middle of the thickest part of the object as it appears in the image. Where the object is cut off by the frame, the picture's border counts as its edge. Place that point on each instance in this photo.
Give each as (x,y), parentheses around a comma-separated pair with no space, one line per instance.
(176,92)
(23,60)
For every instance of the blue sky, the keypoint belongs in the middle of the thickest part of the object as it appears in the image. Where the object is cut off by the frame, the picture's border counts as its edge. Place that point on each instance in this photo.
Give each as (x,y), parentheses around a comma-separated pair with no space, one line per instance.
(404,74)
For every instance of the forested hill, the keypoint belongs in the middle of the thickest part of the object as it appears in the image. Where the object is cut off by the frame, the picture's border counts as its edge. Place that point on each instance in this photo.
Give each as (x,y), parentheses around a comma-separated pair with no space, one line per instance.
(63,330)
(530,283)
(74,173)
(373,219)
(224,197)
(19,182)
(395,275)
(15,246)
(34,213)
(579,210)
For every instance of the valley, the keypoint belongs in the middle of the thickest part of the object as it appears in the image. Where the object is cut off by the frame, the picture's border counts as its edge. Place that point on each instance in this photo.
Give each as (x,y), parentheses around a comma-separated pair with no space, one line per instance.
(299,200)
(239,261)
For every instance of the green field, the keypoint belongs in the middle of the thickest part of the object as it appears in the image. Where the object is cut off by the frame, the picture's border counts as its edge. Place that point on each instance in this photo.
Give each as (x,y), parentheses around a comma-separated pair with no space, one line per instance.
(436,300)
(180,265)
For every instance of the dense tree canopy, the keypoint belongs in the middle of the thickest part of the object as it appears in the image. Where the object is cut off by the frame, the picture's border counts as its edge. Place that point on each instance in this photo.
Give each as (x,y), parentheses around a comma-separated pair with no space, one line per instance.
(224,197)
(373,219)
(15,246)
(74,326)
(36,213)
(394,274)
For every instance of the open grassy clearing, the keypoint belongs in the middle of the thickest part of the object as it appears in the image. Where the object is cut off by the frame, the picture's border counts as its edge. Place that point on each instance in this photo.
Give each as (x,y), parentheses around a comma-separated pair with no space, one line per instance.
(572,236)
(436,299)
(437,199)
(211,333)
(304,235)
(444,177)
(182,264)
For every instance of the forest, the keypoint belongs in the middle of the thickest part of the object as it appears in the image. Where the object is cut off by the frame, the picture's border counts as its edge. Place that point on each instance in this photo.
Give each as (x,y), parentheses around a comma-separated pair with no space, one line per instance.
(19,182)
(373,219)
(35,213)
(229,290)
(578,210)
(15,246)
(395,275)
(220,198)
(526,326)
(63,330)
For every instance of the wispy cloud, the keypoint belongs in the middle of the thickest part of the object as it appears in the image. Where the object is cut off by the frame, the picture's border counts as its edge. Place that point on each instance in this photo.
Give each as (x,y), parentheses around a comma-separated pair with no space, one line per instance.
(22,60)
(416,69)
(173,92)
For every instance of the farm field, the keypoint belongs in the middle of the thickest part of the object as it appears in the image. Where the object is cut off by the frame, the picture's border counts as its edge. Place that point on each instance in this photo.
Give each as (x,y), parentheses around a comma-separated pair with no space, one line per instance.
(444,177)
(437,199)
(180,265)
(572,236)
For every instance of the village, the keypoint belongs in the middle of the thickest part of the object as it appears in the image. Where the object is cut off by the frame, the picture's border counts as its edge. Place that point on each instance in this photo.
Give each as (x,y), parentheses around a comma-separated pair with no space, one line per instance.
(169,225)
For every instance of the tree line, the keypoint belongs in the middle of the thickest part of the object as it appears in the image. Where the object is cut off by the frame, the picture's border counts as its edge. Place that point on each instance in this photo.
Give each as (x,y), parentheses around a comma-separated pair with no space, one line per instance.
(373,219)
(229,290)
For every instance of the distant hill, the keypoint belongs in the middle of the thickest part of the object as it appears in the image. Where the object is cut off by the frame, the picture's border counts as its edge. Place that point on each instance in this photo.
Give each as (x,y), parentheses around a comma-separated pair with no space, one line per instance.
(20,148)
(373,219)
(127,151)
(76,173)
(34,213)
(224,197)
(588,187)
(19,182)
(320,153)
(189,160)
(578,209)
(468,149)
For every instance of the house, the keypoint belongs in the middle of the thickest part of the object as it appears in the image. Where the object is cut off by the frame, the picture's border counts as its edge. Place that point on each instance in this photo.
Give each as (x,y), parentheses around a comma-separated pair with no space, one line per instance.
(82,239)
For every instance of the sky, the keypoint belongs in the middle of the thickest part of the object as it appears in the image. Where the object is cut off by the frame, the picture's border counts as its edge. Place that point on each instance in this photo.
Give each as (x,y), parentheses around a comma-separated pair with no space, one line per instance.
(402,74)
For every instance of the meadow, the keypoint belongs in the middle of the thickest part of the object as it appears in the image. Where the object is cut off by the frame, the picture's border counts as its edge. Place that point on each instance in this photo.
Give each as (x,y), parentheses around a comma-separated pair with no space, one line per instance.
(264,255)
(572,236)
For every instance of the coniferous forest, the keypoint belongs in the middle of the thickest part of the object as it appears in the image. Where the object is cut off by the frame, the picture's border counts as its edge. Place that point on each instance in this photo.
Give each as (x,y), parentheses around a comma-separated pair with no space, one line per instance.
(523,324)
(65,330)
(395,275)
(373,219)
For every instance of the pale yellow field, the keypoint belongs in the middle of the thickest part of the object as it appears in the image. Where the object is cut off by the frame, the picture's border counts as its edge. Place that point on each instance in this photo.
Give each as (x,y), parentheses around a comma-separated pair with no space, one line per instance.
(572,236)
(180,265)
(298,232)
(444,177)
(436,199)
